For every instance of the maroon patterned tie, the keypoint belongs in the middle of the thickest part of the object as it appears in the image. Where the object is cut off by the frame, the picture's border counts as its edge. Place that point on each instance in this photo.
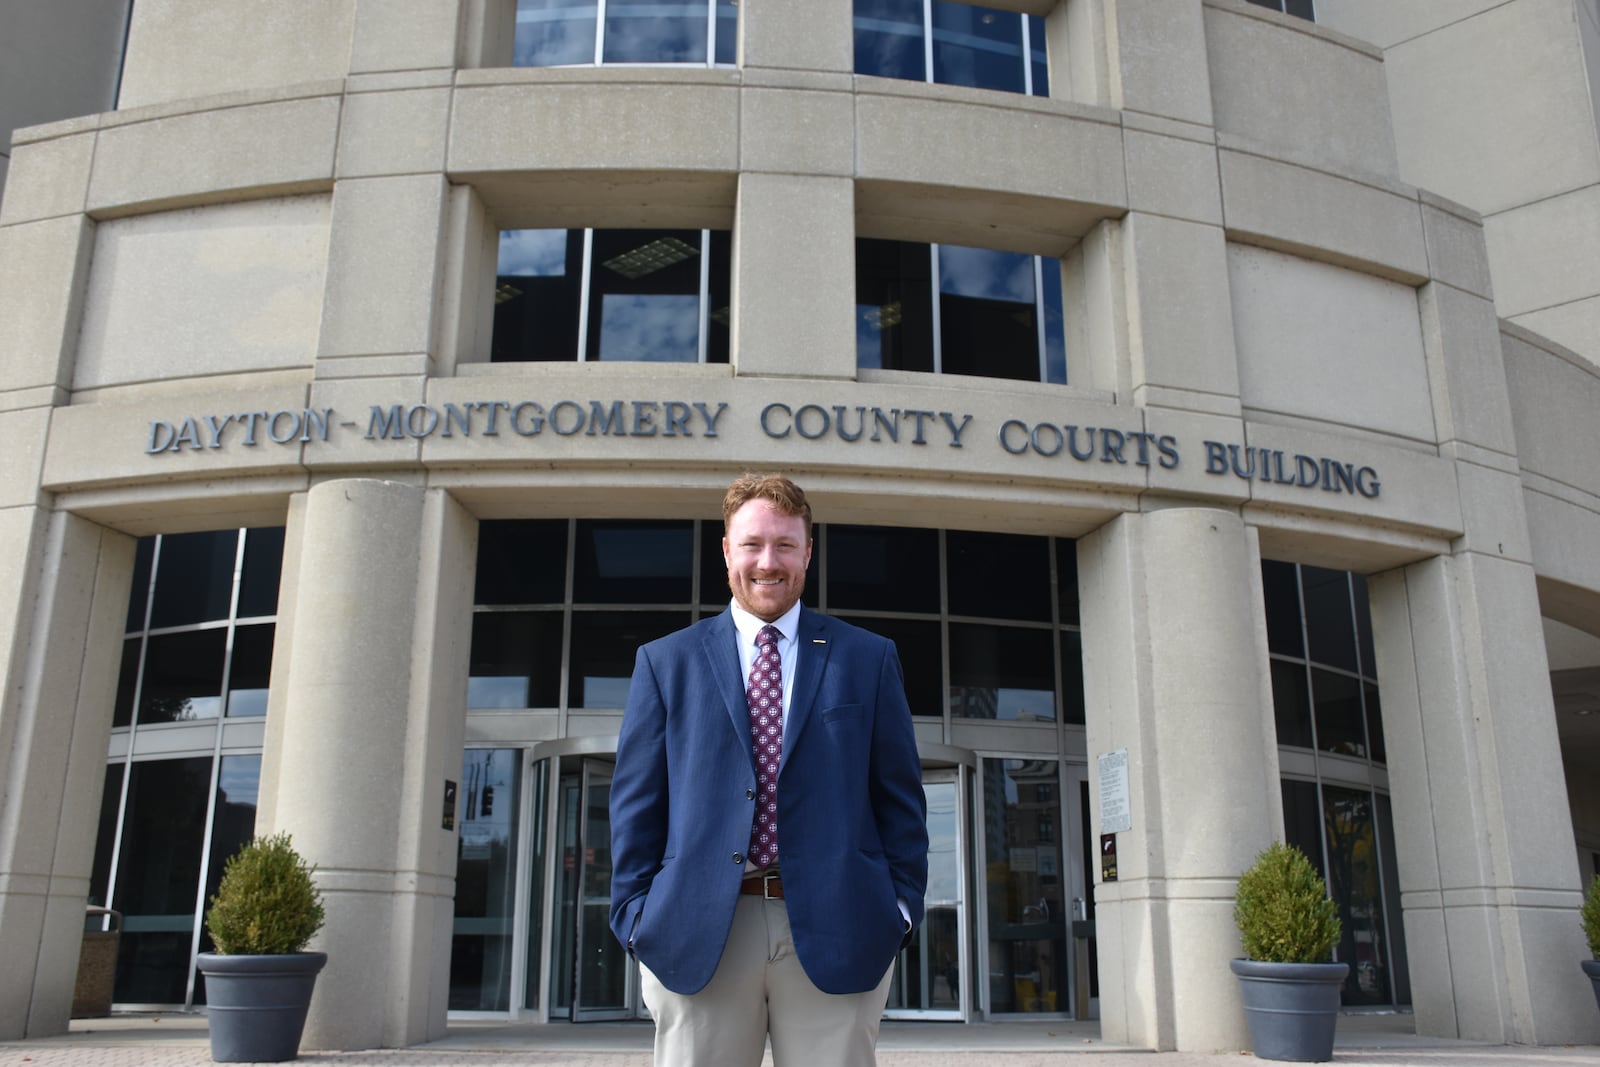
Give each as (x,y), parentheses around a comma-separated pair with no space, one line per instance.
(764,694)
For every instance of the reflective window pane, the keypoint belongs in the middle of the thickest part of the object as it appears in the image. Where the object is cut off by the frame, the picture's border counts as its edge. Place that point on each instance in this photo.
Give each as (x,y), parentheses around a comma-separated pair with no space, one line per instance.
(1038,57)
(1072,706)
(1001,672)
(1291,703)
(537,850)
(987,315)
(515,660)
(538,289)
(139,592)
(1281,593)
(633,562)
(888,39)
(183,676)
(917,643)
(553,33)
(649,31)
(263,570)
(1353,882)
(250,670)
(727,16)
(894,306)
(232,827)
(127,682)
(1067,581)
(486,880)
(1369,658)
(883,567)
(521,561)
(603,648)
(1330,625)
(1027,914)
(106,838)
(1337,700)
(999,576)
(977,46)
(1380,752)
(719,296)
(644,296)
(1302,820)
(194,578)
(1055,323)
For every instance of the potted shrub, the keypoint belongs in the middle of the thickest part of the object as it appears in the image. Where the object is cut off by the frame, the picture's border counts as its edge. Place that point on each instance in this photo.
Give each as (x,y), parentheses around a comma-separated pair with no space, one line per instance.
(1288,927)
(1590,914)
(259,979)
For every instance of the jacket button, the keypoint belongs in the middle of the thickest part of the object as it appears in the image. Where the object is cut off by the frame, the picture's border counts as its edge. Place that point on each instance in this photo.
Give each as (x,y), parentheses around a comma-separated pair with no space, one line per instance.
(738,858)
(749,794)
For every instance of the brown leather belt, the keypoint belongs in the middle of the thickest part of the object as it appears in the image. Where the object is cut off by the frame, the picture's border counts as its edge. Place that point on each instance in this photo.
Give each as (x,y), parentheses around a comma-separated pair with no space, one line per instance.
(769,886)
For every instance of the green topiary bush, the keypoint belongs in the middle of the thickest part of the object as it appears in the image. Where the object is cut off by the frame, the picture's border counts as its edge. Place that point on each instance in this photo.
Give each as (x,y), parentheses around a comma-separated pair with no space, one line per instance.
(267,903)
(1283,911)
(1590,914)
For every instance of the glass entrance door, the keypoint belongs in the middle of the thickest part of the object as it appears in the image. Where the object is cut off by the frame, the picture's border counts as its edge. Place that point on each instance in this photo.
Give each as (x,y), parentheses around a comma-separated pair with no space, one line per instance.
(604,982)
(930,977)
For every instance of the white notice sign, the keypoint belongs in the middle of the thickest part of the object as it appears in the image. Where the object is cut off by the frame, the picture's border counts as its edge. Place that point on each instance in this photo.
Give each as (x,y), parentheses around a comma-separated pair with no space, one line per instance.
(1115,815)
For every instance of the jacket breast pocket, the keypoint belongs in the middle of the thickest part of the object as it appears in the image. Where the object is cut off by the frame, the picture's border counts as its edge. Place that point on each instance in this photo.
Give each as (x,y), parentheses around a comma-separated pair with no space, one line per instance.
(844,713)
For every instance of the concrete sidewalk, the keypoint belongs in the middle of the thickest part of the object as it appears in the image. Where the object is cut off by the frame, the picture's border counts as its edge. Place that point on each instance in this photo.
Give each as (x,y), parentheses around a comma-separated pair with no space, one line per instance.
(181,1041)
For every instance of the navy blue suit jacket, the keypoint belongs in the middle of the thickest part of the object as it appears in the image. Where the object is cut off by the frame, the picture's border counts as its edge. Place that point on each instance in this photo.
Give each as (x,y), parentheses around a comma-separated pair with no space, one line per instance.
(852,818)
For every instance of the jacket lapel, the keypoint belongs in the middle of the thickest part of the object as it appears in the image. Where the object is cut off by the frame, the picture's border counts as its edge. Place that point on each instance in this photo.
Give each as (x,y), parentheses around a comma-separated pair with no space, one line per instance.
(812,646)
(721,647)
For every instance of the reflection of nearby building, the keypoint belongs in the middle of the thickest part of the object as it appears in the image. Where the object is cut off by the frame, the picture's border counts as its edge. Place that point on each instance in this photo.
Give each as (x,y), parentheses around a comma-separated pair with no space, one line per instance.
(1149,406)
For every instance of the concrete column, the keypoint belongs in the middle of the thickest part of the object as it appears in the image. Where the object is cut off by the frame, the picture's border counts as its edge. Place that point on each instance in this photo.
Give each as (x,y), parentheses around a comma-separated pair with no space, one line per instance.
(1175,655)
(369,692)
(1483,832)
(65,583)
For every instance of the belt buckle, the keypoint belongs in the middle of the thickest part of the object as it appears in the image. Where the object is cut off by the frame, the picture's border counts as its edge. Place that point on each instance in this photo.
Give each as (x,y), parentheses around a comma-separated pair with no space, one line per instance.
(766,885)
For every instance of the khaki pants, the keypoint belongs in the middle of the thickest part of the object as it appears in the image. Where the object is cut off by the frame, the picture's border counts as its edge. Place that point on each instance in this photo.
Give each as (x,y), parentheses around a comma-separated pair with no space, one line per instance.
(760,989)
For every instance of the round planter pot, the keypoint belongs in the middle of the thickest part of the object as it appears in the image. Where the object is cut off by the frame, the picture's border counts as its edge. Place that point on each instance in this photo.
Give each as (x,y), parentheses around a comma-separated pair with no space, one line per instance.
(256,1005)
(1592,969)
(1291,1008)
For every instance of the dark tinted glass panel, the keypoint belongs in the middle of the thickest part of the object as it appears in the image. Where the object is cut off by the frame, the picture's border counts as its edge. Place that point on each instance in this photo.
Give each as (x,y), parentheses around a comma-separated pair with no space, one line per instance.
(987,321)
(1330,626)
(158,877)
(538,288)
(977,46)
(1001,672)
(250,670)
(106,837)
(917,643)
(194,578)
(889,39)
(603,648)
(1399,967)
(719,296)
(644,293)
(553,33)
(139,591)
(516,660)
(1027,909)
(127,680)
(894,305)
(238,784)
(1000,576)
(727,31)
(1363,608)
(648,31)
(1067,580)
(263,570)
(1281,592)
(622,562)
(1337,699)
(1055,328)
(1291,703)
(1380,753)
(1038,56)
(521,562)
(1353,878)
(486,881)
(883,568)
(1301,9)
(183,676)
(1302,820)
(1072,707)
(537,850)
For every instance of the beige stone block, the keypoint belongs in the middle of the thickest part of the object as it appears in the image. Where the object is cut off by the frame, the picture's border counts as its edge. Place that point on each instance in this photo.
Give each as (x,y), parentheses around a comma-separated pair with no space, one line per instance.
(42,270)
(1286,85)
(1561,533)
(1464,118)
(1333,218)
(1160,63)
(794,301)
(1466,369)
(383,264)
(813,36)
(1554,396)
(24,433)
(1386,24)
(204,291)
(1492,513)
(1457,254)
(177,50)
(47,178)
(1575,325)
(795,132)
(1180,323)
(365,431)
(178,436)
(400,132)
(1324,342)
(404,35)
(1173,176)
(1546,253)
(1428,961)
(22,912)
(1184,433)
(286,144)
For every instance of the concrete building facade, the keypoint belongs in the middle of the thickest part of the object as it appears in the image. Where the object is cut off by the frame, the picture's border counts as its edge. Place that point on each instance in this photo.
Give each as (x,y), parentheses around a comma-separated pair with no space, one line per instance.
(1171,378)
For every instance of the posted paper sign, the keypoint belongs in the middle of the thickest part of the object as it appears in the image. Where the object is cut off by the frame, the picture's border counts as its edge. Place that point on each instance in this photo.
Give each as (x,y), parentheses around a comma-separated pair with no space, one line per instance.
(1115,815)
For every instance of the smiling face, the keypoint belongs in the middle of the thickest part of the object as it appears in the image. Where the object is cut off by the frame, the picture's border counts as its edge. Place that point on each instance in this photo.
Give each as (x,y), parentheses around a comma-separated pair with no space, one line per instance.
(767,553)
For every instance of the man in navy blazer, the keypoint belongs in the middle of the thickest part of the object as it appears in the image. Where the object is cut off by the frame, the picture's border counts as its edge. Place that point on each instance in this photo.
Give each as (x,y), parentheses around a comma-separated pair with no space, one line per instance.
(786,925)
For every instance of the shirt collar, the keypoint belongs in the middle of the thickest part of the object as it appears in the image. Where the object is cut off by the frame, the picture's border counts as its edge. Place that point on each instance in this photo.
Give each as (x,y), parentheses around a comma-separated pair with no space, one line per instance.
(748,625)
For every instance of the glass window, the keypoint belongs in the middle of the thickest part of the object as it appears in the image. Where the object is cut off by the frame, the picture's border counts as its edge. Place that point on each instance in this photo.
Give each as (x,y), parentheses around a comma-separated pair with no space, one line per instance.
(1302,9)
(1281,592)
(999,576)
(603,648)
(139,595)
(916,642)
(1067,581)
(977,46)
(647,31)
(521,561)
(537,846)
(183,676)
(1291,703)
(1072,704)
(969,44)
(106,839)
(516,660)
(194,582)
(538,288)
(988,321)
(1330,623)
(232,827)
(644,297)
(894,307)
(633,562)
(888,39)
(1001,672)
(263,569)
(1039,61)
(486,880)
(554,33)
(127,682)
(1353,879)
(1027,913)
(1337,700)
(883,567)
(250,670)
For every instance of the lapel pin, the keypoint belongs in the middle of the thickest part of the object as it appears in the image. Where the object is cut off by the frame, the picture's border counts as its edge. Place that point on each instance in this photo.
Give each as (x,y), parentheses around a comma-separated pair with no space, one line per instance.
(818,641)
